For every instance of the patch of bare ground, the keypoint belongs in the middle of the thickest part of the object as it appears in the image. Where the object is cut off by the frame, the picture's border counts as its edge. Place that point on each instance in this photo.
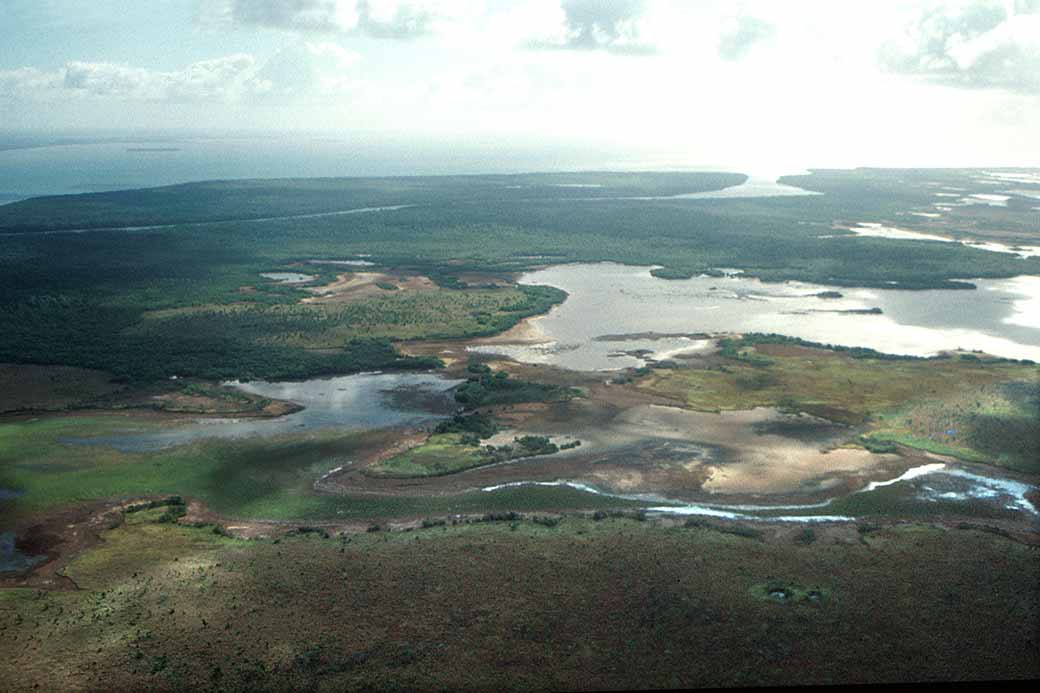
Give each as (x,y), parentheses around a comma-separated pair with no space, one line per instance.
(59,535)
(636,441)
(240,404)
(456,356)
(527,331)
(633,446)
(351,286)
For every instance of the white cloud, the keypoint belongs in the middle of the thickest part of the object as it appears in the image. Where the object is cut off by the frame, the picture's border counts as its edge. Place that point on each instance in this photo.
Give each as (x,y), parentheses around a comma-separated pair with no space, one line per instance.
(319,16)
(614,27)
(26,82)
(394,19)
(308,69)
(335,55)
(979,44)
(400,19)
(718,87)
(743,33)
(222,79)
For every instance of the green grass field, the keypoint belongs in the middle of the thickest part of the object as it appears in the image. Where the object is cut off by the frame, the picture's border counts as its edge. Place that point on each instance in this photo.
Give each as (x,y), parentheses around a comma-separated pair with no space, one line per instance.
(997,423)
(974,410)
(442,453)
(263,478)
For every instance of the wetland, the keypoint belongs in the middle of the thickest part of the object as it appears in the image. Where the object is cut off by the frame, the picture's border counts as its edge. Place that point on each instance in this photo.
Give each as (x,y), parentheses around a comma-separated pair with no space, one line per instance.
(691,407)
(613,309)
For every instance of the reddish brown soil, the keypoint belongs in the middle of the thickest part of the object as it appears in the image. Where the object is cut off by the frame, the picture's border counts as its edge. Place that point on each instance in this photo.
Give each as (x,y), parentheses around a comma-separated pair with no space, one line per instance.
(61,535)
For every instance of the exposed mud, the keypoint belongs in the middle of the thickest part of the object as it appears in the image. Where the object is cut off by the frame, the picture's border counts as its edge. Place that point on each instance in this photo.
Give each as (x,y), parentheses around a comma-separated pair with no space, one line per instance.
(54,538)
(646,448)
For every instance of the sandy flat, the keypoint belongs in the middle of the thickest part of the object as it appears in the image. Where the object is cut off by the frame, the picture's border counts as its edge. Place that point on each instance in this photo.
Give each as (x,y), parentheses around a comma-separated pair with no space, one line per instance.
(354,285)
(526,332)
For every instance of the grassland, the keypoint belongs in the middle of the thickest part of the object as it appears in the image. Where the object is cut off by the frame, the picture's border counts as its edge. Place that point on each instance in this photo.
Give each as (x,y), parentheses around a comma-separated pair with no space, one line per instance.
(577,605)
(267,478)
(441,453)
(447,453)
(996,423)
(440,315)
(971,409)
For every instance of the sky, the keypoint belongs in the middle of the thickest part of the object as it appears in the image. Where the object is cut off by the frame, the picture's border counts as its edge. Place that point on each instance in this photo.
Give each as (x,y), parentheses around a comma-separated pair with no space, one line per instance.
(759,82)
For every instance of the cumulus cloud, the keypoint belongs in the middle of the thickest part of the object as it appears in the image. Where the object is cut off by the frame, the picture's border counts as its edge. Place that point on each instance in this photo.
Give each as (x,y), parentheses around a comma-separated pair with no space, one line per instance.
(976,44)
(221,79)
(396,19)
(746,31)
(26,82)
(304,69)
(596,25)
(320,16)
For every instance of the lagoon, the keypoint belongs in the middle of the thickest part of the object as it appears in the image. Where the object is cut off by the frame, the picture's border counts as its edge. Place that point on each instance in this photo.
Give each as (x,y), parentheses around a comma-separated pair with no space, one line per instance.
(605,322)
(352,402)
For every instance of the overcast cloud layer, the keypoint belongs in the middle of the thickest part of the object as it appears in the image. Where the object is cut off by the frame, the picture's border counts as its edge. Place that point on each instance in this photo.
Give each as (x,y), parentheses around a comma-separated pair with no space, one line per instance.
(815,82)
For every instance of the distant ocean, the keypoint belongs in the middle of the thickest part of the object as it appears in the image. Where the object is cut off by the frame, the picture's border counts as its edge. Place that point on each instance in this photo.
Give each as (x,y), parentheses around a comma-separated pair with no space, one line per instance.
(32,166)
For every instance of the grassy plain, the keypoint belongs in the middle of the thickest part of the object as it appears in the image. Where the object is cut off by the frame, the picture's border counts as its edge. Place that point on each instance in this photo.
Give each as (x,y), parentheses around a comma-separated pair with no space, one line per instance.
(400,316)
(441,453)
(266,478)
(579,604)
(998,423)
(975,410)
(448,453)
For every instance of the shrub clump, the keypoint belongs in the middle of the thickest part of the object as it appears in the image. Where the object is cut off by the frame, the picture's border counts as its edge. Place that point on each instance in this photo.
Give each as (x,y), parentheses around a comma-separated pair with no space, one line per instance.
(499,388)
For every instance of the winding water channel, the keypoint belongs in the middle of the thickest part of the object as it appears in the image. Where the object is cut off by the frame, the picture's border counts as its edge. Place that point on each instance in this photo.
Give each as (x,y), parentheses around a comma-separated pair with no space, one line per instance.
(929,484)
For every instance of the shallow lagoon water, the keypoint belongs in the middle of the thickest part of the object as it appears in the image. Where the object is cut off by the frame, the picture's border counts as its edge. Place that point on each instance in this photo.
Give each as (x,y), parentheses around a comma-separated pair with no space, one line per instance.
(873,229)
(287,277)
(754,186)
(611,300)
(353,402)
